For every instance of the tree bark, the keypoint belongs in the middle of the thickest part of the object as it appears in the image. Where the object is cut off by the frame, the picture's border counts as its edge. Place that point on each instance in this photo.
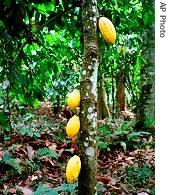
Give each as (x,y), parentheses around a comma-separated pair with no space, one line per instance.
(113,97)
(88,111)
(103,109)
(146,107)
(120,94)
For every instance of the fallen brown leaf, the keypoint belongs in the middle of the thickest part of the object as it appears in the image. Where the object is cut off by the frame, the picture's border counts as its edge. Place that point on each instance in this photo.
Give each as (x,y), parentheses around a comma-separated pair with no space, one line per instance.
(129,160)
(142,193)
(30,151)
(106,179)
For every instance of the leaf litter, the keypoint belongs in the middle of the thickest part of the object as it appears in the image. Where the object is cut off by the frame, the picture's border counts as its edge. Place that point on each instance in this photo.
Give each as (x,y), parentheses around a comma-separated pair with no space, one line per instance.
(50,170)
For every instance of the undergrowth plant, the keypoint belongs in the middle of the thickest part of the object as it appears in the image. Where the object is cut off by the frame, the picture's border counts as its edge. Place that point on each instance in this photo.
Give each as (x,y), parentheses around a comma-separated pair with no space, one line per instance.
(64,187)
(138,177)
(46,152)
(11,162)
(121,133)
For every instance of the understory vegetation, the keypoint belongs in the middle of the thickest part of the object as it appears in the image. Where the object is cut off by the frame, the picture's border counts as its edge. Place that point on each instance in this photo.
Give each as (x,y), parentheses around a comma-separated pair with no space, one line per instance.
(35,157)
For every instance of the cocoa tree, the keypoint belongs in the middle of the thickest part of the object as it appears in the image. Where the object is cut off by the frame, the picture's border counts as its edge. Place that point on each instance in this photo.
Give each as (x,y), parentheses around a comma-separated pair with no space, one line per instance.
(88,89)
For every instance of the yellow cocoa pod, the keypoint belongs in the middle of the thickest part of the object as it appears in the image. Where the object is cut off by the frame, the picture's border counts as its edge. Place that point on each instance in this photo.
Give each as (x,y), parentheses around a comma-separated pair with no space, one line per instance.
(73,126)
(107,29)
(73,169)
(73,99)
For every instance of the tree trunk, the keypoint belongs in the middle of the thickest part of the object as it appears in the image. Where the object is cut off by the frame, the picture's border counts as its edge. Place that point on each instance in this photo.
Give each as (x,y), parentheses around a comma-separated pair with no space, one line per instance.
(146,107)
(102,106)
(113,97)
(88,112)
(120,94)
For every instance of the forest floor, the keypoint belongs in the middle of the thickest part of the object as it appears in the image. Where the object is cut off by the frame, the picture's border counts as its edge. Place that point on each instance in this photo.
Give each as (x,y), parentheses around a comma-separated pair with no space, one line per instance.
(35,159)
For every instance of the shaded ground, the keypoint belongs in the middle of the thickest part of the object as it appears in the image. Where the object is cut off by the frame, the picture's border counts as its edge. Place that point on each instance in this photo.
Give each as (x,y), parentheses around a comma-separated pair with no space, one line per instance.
(119,172)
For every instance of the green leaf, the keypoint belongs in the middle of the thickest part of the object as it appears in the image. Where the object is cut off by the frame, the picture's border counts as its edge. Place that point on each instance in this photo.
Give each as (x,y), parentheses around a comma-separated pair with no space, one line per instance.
(35,103)
(46,152)
(42,190)
(68,187)
(3,179)
(6,156)
(28,116)
(102,144)
(43,8)
(146,18)
(23,130)
(12,162)
(30,132)
(134,135)
(3,120)
(37,134)
(123,144)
